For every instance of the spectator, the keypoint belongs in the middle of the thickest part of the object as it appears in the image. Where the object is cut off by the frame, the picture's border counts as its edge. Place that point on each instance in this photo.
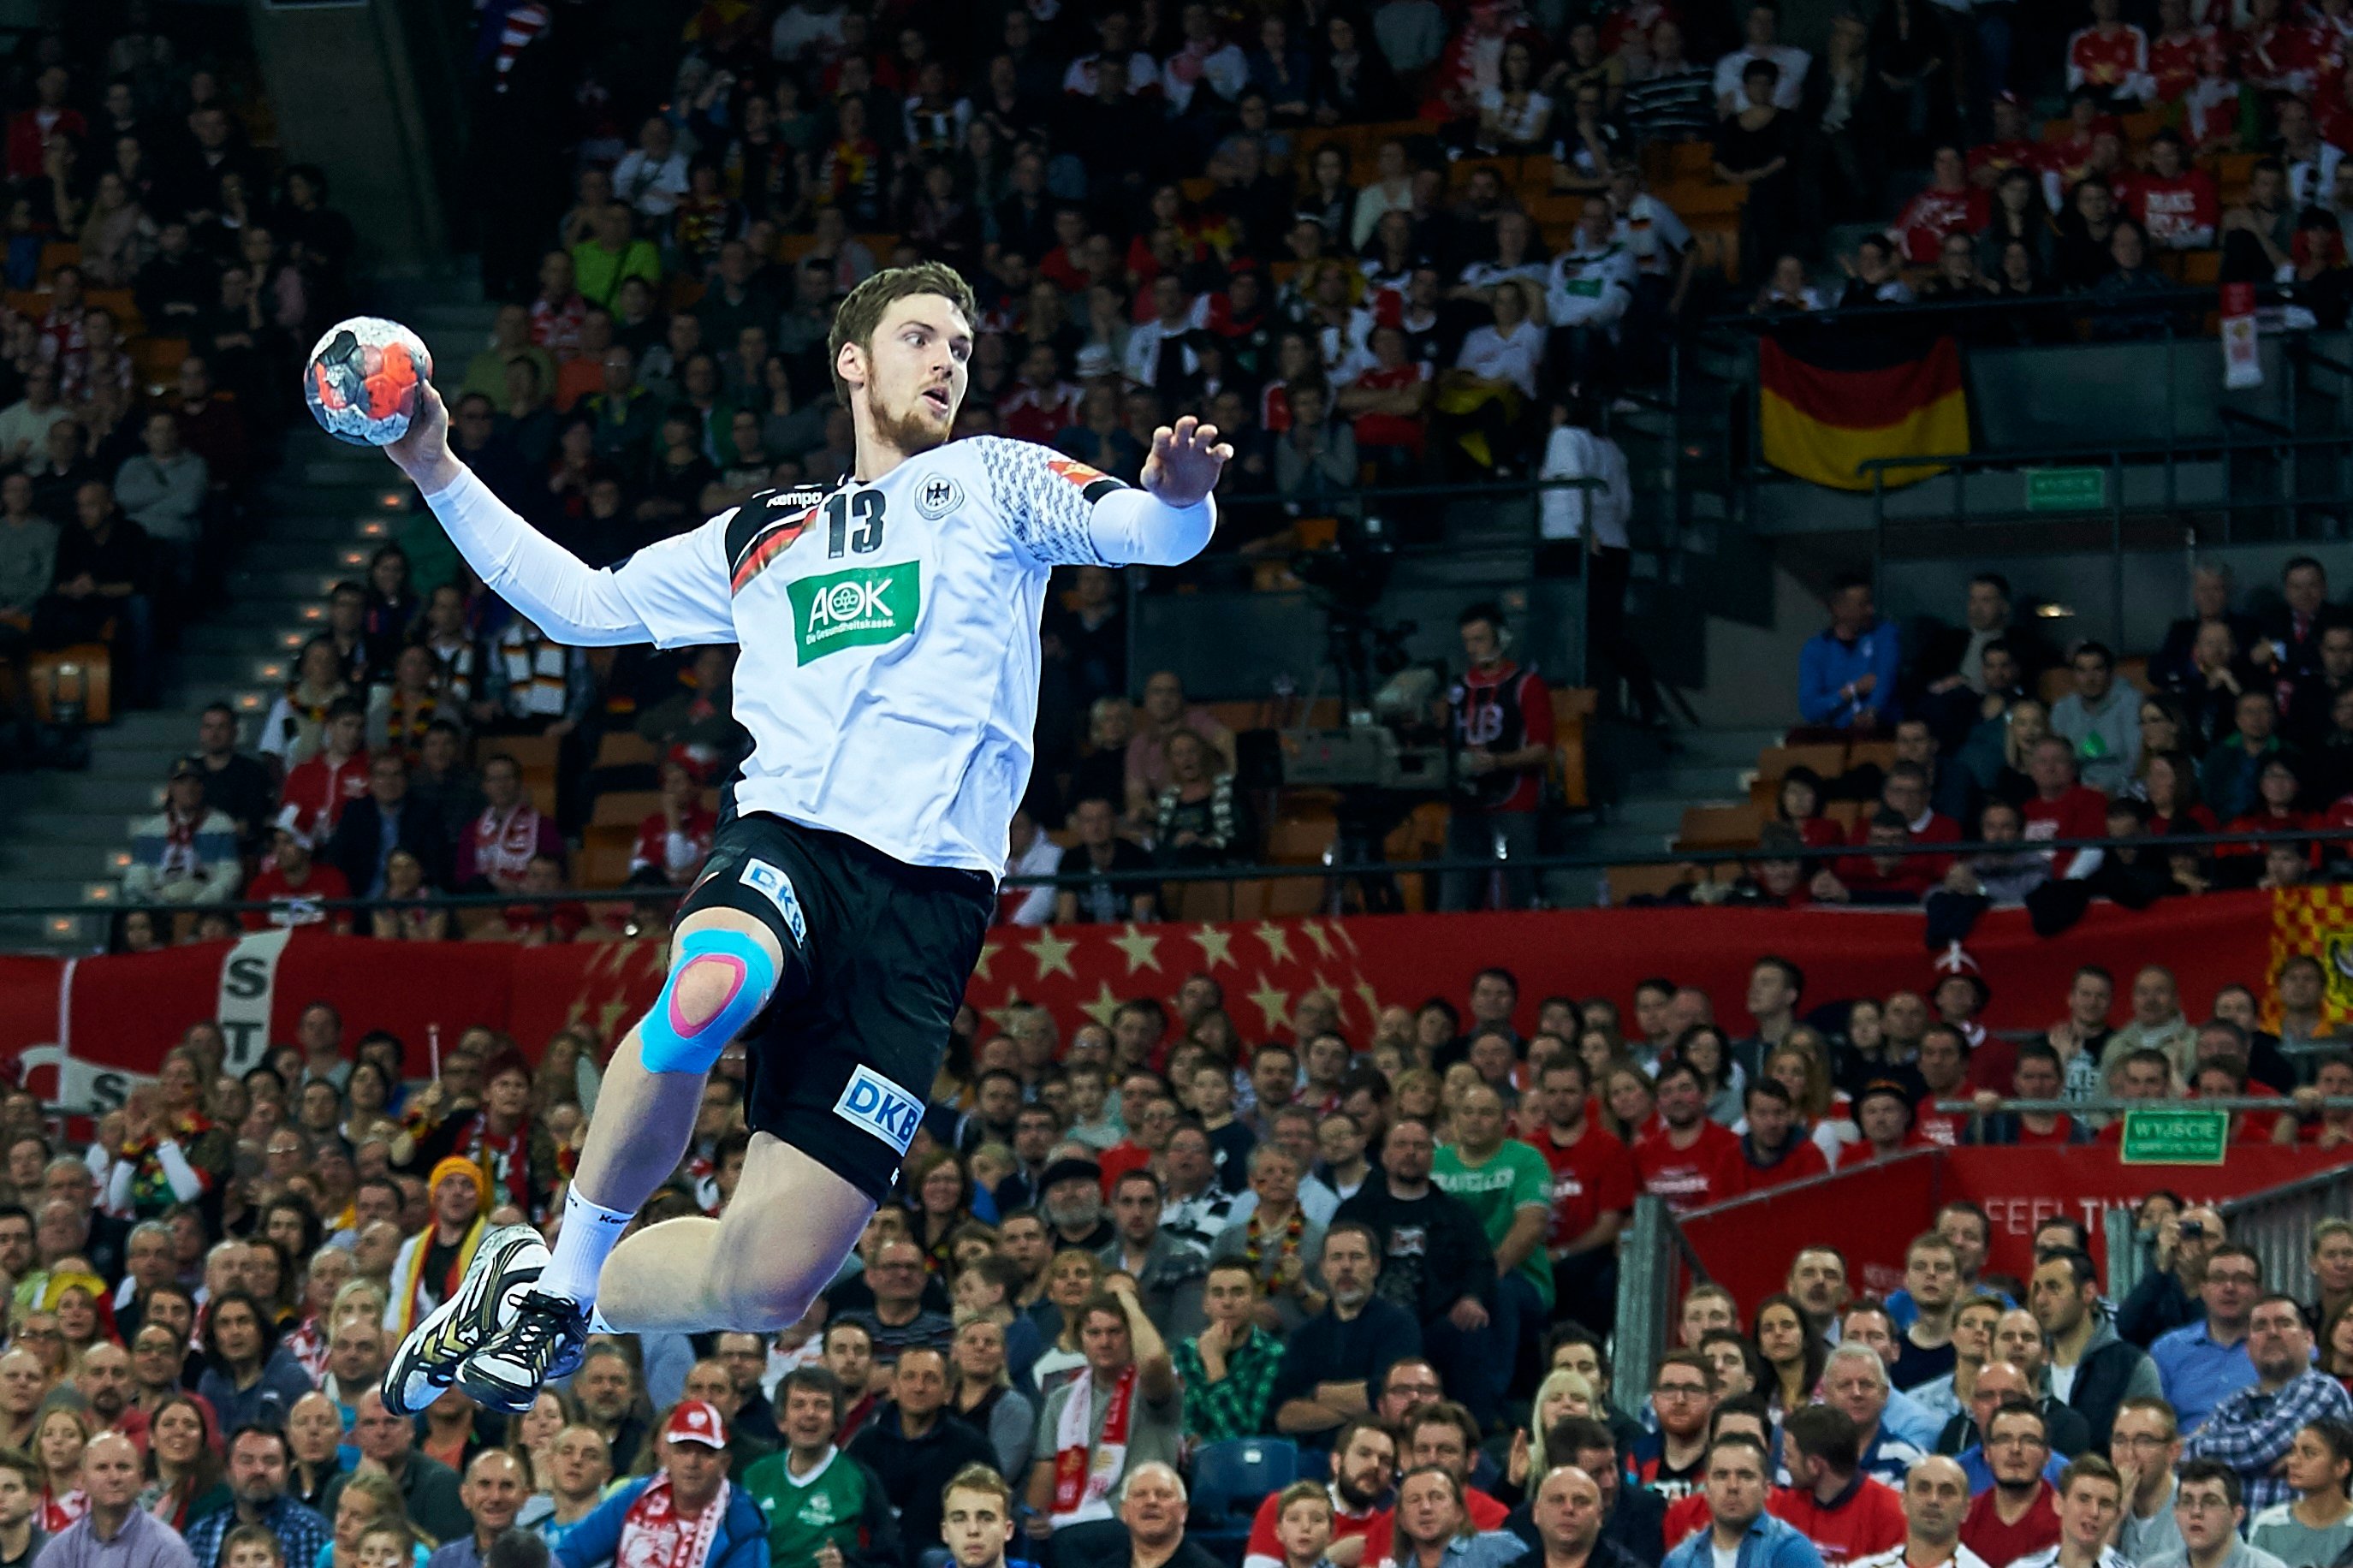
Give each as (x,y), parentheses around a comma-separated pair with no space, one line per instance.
(293,880)
(1101,902)
(915,1447)
(188,853)
(104,590)
(1739,1525)
(1854,1380)
(2146,1447)
(1502,720)
(818,1500)
(164,489)
(1121,1412)
(2254,1429)
(115,1531)
(2235,764)
(1331,1364)
(1229,1370)
(1437,1263)
(2092,1370)
(2102,719)
(334,776)
(1434,1528)
(258,1471)
(1846,674)
(1848,1516)
(652,1515)
(2202,1363)
(2208,1512)
(2019,1513)
(496,853)
(384,822)
(1761,44)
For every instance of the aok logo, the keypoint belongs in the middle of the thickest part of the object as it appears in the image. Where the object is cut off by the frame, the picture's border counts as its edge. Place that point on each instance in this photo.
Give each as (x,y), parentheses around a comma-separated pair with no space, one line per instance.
(854,608)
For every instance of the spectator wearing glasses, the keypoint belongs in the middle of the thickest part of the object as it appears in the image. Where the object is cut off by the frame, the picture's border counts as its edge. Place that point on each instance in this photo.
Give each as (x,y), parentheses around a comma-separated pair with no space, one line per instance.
(2204,1362)
(2254,1430)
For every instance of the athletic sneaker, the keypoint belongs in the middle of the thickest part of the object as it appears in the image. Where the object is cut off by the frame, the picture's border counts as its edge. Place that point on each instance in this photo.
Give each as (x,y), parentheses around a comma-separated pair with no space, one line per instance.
(508,1261)
(543,1339)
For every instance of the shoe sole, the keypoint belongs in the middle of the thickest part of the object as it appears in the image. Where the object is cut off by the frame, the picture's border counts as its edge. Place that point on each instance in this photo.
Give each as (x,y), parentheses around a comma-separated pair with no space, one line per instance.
(436,1348)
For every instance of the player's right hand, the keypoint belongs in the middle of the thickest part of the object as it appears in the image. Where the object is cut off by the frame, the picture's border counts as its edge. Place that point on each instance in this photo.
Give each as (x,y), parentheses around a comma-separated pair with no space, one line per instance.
(423,453)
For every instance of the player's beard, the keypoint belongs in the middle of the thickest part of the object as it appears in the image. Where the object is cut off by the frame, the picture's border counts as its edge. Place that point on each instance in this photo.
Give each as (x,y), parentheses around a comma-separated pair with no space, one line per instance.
(909,428)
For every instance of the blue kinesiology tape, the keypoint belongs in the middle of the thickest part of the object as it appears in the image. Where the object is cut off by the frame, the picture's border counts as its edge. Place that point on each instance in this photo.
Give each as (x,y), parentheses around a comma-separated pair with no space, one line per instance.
(670,1043)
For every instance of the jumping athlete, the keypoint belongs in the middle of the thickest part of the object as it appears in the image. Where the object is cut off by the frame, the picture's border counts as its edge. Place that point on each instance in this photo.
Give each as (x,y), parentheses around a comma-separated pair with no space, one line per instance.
(889,678)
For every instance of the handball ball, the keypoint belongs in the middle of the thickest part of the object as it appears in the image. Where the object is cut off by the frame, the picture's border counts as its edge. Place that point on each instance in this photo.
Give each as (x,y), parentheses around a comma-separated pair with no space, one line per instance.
(362,381)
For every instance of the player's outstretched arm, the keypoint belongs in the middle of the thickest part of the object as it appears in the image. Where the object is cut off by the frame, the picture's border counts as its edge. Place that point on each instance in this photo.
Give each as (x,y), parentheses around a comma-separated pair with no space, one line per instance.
(564,597)
(1170,519)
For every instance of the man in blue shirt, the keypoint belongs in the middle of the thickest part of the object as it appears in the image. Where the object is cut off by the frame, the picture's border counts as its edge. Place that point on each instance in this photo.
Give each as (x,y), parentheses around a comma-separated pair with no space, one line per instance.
(1737,1472)
(257,1475)
(1846,672)
(2202,1364)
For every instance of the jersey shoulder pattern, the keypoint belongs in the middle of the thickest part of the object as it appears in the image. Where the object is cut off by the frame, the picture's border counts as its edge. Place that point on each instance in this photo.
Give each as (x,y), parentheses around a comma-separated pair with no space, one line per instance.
(764,527)
(1045,499)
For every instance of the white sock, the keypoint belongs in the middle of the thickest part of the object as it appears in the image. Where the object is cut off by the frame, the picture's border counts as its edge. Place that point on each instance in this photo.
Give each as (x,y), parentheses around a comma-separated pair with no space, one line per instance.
(587,1239)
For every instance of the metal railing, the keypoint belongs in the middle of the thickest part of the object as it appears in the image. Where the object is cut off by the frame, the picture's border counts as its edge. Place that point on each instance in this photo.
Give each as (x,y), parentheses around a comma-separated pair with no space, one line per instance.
(2277,1222)
(1653,1257)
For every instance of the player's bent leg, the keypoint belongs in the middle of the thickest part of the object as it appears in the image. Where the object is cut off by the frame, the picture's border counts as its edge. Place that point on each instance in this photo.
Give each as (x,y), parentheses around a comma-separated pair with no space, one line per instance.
(724,969)
(757,1267)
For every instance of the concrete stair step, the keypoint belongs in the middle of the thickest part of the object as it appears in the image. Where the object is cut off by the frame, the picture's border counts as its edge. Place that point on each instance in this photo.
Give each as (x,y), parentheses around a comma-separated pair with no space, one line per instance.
(63,862)
(1683,781)
(261,668)
(95,828)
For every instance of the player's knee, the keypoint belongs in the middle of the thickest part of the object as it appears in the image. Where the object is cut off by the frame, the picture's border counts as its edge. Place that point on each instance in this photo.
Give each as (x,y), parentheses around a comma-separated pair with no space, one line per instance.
(719,982)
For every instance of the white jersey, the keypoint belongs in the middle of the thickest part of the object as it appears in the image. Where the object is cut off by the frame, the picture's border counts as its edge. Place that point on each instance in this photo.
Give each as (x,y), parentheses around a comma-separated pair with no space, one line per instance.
(889,671)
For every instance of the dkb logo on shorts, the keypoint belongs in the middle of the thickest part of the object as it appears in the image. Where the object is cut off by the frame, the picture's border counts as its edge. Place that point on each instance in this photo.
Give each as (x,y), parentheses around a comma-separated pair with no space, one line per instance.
(849,609)
(873,1102)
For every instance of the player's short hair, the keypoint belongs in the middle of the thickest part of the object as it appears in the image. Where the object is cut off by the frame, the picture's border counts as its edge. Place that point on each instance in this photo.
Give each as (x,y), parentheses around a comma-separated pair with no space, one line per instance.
(861,310)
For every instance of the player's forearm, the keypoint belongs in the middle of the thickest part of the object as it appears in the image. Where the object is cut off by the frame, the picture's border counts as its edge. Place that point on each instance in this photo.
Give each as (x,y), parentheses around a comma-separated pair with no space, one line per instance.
(562,596)
(1134,527)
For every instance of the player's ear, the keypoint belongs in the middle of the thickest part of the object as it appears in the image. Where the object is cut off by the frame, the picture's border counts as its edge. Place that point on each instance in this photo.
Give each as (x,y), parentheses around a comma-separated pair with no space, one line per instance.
(850,365)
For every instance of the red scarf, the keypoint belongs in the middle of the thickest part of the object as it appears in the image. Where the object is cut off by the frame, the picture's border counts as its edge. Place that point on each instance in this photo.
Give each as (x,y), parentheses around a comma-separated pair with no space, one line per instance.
(1084,1472)
(655,1534)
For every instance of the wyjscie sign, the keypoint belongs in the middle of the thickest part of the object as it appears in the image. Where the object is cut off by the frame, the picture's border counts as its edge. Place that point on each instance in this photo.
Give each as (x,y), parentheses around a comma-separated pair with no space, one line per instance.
(2176,1135)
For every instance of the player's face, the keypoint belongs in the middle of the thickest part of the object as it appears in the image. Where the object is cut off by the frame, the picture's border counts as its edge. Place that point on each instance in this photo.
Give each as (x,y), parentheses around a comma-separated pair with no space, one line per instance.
(915,372)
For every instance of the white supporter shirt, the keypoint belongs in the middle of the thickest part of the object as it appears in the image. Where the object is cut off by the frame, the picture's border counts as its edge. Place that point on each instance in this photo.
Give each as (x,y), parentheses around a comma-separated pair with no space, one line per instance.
(889,632)
(1572,453)
(1894,1557)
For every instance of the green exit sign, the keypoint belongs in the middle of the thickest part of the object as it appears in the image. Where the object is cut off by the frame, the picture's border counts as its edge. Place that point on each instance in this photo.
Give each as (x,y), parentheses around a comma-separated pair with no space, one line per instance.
(2066,490)
(2176,1135)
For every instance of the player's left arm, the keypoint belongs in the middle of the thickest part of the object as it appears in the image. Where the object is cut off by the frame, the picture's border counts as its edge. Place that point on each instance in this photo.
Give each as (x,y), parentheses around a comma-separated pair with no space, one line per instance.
(1066,515)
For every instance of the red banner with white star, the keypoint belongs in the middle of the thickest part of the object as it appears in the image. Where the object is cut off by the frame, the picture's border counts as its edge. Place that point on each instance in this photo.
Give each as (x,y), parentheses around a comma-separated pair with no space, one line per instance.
(1366,961)
(86,1027)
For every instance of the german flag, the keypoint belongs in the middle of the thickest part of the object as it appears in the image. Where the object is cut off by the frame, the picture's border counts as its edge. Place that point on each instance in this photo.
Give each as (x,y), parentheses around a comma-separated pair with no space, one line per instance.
(1831,399)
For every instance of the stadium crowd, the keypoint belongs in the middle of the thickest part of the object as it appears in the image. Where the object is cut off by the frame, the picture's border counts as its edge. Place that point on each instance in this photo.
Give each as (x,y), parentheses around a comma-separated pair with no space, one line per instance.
(1131,1259)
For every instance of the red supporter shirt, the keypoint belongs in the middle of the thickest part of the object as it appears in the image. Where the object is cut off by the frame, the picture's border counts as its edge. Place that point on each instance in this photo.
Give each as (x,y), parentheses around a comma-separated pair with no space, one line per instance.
(1036,414)
(1932,215)
(1687,1516)
(1391,429)
(2175,58)
(676,855)
(2106,56)
(2179,212)
(1591,1177)
(2079,812)
(1740,1175)
(1862,1151)
(1999,156)
(1934,1126)
(269,886)
(321,788)
(1984,1534)
(1687,1178)
(2287,56)
(1502,708)
(2061,1131)
(1265,1551)
(1120,1159)
(1862,1521)
(1486,1513)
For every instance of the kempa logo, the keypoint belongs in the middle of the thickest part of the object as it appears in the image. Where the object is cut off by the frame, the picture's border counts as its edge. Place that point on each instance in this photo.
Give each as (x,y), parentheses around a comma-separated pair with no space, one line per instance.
(852,608)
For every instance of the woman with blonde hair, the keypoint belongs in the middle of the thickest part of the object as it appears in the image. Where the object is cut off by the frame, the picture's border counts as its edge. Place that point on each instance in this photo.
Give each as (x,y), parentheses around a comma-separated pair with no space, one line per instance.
(369,1497)
(1072,1276)
(1419,1093)
(1564,1392)
(58,1439)
(1800,1064)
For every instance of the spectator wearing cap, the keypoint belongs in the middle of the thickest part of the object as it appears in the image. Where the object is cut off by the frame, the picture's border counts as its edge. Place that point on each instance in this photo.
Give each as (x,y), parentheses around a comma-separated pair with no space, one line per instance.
(687,1500)
(186,853)
(293,879)
(431,1263)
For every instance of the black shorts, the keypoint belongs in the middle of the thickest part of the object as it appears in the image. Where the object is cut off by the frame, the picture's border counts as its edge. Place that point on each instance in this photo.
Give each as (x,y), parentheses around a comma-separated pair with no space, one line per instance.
(877,955)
